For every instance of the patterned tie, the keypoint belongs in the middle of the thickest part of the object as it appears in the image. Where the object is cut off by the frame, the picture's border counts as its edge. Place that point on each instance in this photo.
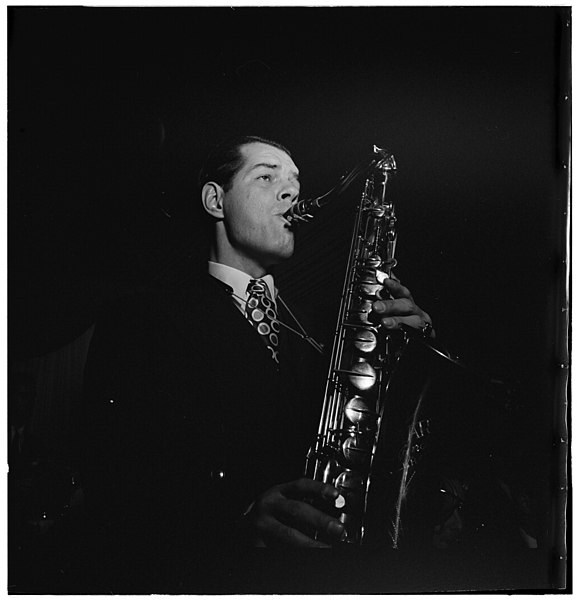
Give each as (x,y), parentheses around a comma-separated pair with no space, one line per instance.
(261,313)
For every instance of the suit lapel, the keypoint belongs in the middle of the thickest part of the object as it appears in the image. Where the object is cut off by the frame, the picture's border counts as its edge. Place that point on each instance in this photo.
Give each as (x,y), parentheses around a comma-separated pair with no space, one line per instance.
(207,310)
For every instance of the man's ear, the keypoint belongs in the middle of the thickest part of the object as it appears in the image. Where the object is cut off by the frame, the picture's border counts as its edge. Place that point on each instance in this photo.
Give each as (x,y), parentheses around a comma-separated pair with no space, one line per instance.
(212,199)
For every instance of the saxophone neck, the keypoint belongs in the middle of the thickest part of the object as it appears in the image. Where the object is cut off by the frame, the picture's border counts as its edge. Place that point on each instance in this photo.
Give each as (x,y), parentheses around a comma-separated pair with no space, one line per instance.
(380,161)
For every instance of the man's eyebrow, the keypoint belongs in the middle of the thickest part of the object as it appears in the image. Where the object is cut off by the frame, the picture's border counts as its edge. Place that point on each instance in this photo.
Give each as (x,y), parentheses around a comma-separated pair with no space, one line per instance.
(271,166)
(268,165)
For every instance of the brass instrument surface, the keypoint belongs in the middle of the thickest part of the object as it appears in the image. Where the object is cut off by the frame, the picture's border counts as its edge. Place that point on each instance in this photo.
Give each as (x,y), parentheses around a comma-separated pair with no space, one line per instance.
(386,436)
(432,431)
(361,358)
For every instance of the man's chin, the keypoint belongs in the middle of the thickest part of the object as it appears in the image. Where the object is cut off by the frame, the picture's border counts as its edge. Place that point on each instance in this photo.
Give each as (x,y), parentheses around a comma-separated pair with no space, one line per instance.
(280,257)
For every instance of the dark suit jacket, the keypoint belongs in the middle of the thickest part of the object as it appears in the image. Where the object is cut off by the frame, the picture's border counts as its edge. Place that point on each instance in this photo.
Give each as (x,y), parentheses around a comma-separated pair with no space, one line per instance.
(187,421)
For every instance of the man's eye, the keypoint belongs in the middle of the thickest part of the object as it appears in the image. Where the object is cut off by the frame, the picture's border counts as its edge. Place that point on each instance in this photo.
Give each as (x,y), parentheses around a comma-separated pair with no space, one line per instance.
(265,177)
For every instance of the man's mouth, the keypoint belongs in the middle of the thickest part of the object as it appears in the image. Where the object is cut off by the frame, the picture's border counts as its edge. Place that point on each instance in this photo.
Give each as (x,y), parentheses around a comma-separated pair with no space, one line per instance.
(288,221)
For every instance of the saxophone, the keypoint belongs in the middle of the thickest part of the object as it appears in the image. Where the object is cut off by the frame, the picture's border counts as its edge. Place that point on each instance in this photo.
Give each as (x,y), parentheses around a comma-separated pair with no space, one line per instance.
(382,386)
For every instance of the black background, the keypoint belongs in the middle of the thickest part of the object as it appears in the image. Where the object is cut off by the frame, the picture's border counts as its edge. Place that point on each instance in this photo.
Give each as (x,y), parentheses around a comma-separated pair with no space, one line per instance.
(111,111)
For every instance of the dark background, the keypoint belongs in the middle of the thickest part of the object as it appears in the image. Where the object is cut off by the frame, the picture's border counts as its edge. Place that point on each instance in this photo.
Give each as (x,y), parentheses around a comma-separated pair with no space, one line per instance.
(111,111)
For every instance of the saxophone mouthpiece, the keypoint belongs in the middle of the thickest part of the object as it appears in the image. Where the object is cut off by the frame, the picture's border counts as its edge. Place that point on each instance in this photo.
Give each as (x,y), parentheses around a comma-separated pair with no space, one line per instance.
(304,210)
(300,212)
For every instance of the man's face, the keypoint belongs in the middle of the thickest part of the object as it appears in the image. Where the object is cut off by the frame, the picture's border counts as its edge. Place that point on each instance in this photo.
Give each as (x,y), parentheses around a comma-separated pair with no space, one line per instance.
(261,192)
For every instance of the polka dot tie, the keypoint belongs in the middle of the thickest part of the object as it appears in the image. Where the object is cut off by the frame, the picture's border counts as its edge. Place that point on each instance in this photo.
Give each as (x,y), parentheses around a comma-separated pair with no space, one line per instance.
(261,313)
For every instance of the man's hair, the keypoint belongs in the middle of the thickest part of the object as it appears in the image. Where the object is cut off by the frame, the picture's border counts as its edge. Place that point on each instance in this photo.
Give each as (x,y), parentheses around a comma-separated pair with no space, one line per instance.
(224,162)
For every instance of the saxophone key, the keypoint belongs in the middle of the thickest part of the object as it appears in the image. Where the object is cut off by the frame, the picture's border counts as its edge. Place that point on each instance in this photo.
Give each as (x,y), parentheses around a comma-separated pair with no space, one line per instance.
(355,452)
(370,289)
(359,413)
(359,313)
(350,485)
(353,528)
(365,340)
(331,471)
(378,211)
(349,481)
(381,276)
(362,375)
(340,502)
(374,261)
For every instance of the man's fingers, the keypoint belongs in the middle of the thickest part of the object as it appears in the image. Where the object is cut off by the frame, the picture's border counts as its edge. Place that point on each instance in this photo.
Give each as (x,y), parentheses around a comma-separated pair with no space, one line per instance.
(283,515)
(293,512)
(306,488)
(395,288)
(393,313)
(401,306)
(278,533)
(415,321)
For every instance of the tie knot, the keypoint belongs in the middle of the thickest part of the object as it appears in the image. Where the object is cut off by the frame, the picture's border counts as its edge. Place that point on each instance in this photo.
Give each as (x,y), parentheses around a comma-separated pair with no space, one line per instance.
(256,287)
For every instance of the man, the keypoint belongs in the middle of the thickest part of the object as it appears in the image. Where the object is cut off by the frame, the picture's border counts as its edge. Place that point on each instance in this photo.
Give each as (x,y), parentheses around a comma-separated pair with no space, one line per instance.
(198,424)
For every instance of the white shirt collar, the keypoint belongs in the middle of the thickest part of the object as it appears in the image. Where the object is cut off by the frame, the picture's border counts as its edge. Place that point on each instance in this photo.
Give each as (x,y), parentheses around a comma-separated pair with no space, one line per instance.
(238,280)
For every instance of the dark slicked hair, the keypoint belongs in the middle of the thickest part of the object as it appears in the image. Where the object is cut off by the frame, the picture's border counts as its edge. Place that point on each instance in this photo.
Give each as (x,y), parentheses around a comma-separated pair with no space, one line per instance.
(224,162)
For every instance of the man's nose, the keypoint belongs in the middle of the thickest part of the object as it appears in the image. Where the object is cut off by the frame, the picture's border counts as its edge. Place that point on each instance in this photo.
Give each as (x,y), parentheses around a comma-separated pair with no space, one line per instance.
(289,192)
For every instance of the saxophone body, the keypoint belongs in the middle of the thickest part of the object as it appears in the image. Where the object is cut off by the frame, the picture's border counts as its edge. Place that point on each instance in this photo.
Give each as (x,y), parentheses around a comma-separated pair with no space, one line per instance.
(362,358)
(393,400)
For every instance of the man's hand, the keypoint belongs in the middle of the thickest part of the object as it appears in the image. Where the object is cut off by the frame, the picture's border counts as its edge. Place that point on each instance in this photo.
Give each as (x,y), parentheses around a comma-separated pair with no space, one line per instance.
(281,516)
(400,309)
